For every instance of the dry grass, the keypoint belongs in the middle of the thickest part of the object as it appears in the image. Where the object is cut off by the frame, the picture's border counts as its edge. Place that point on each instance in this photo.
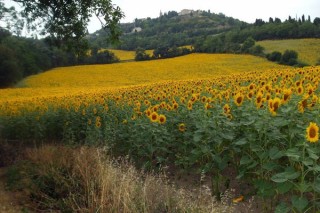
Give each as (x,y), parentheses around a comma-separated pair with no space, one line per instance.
(84,180)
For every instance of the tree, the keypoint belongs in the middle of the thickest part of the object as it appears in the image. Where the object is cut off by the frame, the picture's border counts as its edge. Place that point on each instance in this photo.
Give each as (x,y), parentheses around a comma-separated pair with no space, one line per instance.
(67,20)
(11,18)
(274,56)
(248,43)
(141,55)
(316,21)
(289,57)
(10,71)
(106,57)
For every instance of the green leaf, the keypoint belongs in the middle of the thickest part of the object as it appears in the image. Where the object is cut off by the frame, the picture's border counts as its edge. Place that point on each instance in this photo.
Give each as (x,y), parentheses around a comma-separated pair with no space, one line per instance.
(300,203)
(270,166)
(279,178)
(303,187)
(316,185)
(264,188)
(293,153)
(197,136)
(312,154)
(280,122)
(316,168)
(242,141)
(254,164)
(307,162)
(285,187)
(245,160)
(282,208)
(290,174)
(275,153)
(227,135)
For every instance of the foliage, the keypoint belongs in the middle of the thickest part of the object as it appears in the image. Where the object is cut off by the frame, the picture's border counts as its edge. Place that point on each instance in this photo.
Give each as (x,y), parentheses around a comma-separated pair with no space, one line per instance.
(67,21)
(289,57)
(141,55)
(169,30)
(262,124)
(274,56)
(10,71)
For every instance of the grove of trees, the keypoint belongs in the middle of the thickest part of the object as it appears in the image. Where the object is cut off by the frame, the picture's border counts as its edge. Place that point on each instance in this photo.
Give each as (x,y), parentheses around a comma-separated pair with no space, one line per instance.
(63,27)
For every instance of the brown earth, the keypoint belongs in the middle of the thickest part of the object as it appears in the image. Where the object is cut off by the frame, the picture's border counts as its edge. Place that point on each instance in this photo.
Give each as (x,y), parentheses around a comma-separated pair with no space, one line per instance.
(10,202)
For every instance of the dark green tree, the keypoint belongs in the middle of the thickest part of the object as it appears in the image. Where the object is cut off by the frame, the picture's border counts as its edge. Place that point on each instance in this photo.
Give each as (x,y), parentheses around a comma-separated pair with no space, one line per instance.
(248,43)
(141,55)
(67,20)
(289,57)
(10,71)
(106,57)
(274,56)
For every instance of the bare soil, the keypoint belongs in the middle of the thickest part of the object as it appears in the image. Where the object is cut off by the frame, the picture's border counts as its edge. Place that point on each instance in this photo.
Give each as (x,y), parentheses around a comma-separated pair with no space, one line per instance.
(10,202)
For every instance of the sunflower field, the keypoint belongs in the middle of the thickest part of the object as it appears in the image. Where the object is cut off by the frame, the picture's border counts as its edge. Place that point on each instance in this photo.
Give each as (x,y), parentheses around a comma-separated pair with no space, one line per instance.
(262,123)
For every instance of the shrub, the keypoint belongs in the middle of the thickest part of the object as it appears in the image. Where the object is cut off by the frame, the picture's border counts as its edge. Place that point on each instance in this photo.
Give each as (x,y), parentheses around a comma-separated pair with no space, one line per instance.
(275,56)
(289,57)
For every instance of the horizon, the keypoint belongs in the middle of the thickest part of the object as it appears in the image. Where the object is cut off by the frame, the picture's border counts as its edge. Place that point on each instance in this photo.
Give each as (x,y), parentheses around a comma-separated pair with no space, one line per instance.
(245,10)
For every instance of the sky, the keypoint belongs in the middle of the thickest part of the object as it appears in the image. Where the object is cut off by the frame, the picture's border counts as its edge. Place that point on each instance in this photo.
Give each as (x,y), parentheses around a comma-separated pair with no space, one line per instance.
(244,10)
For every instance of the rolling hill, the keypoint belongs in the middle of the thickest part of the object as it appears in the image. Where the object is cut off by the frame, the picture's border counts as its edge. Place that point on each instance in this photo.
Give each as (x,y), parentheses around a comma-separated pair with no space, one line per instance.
(308,49)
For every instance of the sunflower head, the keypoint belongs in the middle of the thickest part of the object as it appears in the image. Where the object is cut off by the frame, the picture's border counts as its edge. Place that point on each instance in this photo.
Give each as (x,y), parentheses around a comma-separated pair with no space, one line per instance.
(238,99)
(226,109)
(182,127)
(154,117)
(312,133)
(162,119)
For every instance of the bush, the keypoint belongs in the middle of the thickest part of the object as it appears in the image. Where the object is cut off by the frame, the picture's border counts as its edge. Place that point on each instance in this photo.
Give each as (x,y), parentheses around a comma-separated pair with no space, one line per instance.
(275,56)
(289,57)
(141,55)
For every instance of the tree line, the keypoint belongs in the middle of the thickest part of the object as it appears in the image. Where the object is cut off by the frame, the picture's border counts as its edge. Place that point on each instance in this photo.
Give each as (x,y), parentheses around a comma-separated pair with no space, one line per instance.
(21,57)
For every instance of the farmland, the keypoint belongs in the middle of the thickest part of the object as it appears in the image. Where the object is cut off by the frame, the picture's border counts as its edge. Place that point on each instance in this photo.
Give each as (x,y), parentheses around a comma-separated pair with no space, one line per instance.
(202,113)
(308,49)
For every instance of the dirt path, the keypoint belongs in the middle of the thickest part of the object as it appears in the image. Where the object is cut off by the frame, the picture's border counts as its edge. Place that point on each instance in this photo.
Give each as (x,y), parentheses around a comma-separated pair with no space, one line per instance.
(10,202)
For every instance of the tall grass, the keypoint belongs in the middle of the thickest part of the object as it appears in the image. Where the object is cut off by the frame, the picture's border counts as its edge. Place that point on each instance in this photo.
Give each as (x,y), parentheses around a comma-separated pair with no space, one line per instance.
(65,179)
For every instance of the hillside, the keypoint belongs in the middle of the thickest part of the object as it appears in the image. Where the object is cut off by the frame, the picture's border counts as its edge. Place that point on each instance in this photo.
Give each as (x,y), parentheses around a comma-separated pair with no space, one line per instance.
(308,49)
(91,78)
(169,29)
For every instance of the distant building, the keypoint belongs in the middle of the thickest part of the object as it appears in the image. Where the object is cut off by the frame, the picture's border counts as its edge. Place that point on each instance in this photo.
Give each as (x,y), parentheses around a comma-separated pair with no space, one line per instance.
(185,12)
(136,30)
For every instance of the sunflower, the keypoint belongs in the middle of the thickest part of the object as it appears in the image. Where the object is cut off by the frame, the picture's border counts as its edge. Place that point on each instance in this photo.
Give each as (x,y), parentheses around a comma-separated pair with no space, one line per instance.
(300,90)
(162,119)
(238,99)
(226,109)
(207,106)
(190,105)
(175,105)
(203,99)
(273,105)
(276,104)
(154,117)
(98,124)
(250,95)
(182,127)
(286,95)
(148,112)
(259,99)
(312,133)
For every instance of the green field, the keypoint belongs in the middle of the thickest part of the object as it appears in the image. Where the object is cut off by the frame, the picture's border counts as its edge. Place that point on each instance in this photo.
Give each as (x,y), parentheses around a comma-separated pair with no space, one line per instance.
(308,49)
